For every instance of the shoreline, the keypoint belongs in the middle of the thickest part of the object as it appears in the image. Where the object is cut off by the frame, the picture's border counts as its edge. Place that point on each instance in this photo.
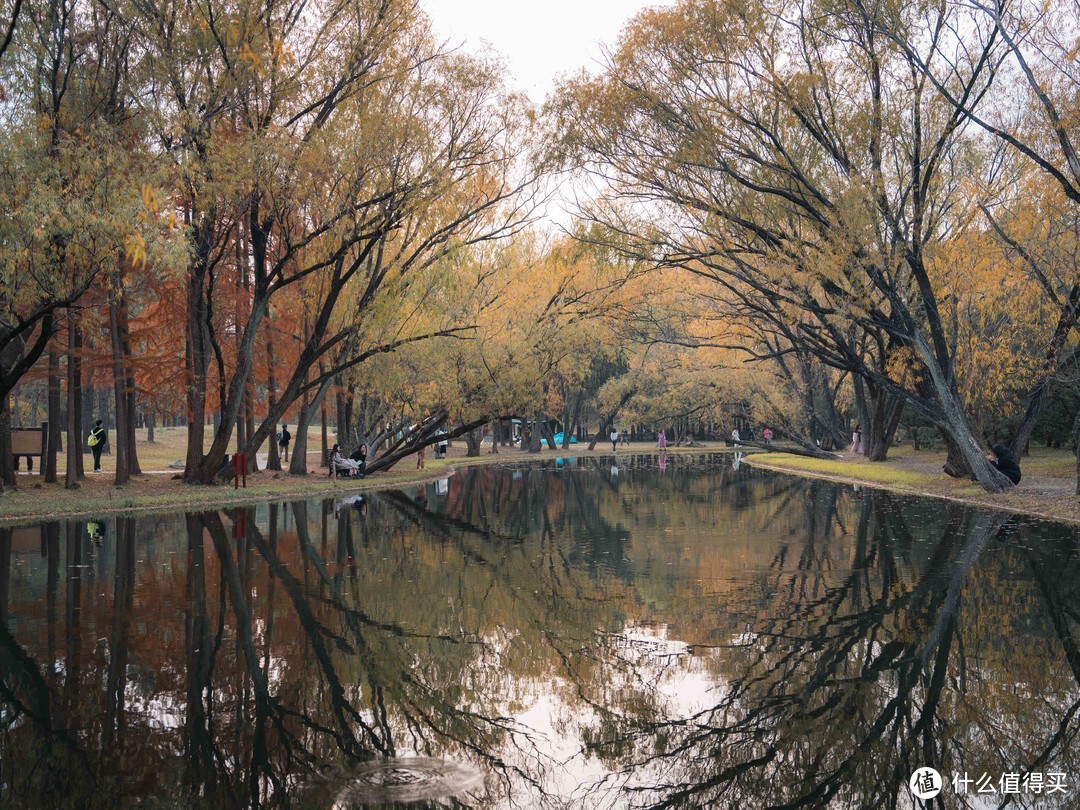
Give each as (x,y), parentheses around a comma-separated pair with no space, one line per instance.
(153,492)
(1045,497)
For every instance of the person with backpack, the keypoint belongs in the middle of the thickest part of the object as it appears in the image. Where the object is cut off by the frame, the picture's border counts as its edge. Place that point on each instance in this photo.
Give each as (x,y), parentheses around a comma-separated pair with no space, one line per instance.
(284,437)
(96,440)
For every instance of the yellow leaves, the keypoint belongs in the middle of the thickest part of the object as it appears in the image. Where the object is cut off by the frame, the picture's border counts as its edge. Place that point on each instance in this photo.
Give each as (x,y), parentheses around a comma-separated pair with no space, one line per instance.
(905,368)
(150,198)
(246,54)
(280,54)
(135,251)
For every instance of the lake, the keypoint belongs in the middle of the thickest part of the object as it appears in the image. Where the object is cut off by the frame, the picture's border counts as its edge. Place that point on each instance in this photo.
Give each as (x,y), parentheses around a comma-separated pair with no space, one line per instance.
(594,632)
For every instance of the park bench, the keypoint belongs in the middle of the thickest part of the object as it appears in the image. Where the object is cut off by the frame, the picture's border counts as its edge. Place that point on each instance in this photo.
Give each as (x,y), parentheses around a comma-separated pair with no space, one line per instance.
(29,442)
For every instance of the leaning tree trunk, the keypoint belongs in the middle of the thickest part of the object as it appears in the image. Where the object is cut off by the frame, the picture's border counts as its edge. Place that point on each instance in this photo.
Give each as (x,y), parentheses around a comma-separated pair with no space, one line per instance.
(1039,397)
(965,457)
(609,419)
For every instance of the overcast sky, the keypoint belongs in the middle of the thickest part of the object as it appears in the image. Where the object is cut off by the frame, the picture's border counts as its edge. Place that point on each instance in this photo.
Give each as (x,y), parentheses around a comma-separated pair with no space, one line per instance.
(538,39)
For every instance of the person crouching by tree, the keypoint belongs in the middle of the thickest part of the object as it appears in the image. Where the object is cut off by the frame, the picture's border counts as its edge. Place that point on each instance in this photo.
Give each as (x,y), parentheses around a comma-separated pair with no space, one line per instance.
(96,441)
(1004,462)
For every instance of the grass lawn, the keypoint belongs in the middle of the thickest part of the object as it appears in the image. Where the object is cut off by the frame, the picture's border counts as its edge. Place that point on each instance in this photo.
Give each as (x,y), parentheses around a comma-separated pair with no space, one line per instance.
(1047,489)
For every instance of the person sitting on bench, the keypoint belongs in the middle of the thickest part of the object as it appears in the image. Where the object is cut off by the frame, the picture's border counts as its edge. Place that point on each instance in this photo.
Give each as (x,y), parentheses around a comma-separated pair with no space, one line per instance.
(339,465)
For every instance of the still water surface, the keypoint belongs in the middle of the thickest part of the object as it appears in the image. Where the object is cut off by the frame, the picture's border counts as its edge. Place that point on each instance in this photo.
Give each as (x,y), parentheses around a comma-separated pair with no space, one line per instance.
(584,633)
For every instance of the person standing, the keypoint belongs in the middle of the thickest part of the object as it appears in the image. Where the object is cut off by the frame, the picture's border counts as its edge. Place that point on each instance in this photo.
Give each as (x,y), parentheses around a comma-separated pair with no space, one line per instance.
(97,443)
(856,439)
(661,439)
(767,436)
(735,438)
(614,436)
(284,437)
(420,458)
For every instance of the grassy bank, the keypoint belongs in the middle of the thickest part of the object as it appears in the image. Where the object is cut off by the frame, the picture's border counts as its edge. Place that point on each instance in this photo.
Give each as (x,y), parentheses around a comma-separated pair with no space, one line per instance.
(159,491)
(1047,489)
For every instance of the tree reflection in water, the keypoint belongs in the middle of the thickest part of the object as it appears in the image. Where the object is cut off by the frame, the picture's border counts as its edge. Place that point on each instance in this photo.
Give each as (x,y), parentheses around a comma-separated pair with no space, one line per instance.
(708,637)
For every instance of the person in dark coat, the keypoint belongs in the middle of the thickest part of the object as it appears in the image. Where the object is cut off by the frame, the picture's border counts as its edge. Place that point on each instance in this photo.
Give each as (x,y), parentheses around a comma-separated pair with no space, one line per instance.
(97,444)
(360,457)
(1004,462)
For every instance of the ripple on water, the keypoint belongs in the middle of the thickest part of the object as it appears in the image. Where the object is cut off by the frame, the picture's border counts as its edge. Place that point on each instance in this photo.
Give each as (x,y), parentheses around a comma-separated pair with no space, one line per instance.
(405,779)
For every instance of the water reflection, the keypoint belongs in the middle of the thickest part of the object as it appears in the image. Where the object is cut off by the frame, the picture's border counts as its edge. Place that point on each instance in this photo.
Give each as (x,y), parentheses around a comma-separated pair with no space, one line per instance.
(541,635)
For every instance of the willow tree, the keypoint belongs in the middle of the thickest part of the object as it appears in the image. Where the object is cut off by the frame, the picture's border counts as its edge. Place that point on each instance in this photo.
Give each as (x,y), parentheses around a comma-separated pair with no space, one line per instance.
(334,147)
(789,153)
(1029,51)
(72,174)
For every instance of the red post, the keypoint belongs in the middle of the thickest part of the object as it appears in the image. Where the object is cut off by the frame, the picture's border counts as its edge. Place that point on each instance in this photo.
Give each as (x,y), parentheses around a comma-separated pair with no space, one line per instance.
(239,469)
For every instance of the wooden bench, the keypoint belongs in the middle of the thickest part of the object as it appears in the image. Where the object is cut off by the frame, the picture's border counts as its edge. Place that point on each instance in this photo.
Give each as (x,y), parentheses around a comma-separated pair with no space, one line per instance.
(29,442)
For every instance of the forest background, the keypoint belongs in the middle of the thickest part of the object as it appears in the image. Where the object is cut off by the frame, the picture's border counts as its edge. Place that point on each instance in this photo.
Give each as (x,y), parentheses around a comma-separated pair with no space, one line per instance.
(801,215)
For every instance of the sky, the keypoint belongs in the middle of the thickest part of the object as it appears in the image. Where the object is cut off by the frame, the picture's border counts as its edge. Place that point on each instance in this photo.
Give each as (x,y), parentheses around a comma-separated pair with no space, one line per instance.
(538,39)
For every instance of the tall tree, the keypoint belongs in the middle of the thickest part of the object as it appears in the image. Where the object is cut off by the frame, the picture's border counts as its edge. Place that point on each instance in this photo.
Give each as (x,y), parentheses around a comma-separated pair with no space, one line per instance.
(788,152)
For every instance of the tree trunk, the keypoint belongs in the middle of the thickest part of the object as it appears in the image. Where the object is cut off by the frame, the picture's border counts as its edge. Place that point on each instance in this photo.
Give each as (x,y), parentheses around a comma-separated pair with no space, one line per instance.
(298,463)
(883,418)
(325,447)
(121,459)
(341,423)
(494,437)
(534,435)
(49,463)
(151,417)
(74,405)
(7,463)
(196,361)
(1076,442)
(273,461)
(472,443)
(566,421)
(965,458)
(130,400)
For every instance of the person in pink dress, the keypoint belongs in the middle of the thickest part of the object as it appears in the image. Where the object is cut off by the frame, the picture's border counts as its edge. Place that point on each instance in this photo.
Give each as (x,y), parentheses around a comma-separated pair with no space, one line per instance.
(661,440)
